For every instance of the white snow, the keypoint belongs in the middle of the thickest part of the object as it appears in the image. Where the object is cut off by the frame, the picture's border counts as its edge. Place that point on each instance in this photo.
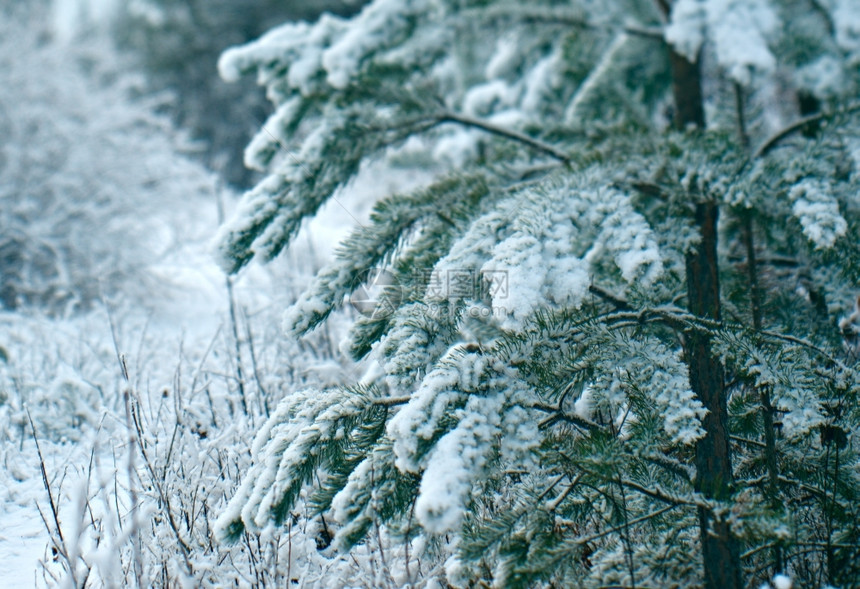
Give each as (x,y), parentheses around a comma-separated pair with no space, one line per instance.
(738,29)
(685,31)
(477,393)
(456,461)
(846,19)
(333,47)
(584,405)
(271,47)
(542,254)
(822,77)
(506,57)
(494,95)
(818,213)
(594,78)
(271,138)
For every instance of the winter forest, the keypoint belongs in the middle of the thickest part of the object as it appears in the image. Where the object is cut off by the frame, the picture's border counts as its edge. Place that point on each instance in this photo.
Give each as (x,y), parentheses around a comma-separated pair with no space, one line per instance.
(430,294)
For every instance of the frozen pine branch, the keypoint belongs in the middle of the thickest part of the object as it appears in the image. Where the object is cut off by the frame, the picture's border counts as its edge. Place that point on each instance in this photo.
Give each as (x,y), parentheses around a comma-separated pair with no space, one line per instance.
(568,384)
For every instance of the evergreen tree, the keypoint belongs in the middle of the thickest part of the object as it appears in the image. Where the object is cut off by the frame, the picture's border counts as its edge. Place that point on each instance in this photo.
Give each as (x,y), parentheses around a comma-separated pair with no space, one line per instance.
(622,348)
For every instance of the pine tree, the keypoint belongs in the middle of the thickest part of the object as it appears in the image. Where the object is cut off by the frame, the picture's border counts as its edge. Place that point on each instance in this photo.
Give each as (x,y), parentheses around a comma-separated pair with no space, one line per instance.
(621,350)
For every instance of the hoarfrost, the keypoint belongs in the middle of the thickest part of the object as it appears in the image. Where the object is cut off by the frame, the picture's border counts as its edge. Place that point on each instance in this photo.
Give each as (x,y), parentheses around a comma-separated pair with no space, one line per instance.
(818,213)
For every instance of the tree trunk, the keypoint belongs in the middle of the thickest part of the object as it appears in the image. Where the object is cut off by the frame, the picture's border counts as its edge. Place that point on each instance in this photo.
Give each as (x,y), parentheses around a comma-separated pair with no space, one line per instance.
(713,459)
(714,477)
(687,90)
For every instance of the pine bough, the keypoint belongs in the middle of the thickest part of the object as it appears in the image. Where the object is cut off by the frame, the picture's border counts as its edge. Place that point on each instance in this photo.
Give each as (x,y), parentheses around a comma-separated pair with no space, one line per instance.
(540,425)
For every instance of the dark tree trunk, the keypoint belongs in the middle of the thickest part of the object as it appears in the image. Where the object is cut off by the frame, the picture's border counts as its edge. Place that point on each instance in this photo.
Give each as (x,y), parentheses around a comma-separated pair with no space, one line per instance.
(687,90)
(713,459)
(720,551)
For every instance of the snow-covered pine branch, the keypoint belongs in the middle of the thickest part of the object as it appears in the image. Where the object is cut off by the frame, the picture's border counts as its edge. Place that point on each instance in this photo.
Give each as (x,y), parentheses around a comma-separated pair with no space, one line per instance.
(592,323)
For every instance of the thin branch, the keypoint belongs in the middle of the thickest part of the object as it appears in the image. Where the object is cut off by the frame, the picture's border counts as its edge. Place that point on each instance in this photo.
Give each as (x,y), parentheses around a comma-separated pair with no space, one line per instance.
(743,135)
(754,551)
(665,497)
(809,345)
(818,7)
(559,414)
(747,441)
(619,527)
(553,505)
(822,493)
(452,117)
(137,439)
(569,19)
(43,470)
(657,493)
(391,401)
(671,465)
(615,301)
(798,125)
(759,480)
(61,544)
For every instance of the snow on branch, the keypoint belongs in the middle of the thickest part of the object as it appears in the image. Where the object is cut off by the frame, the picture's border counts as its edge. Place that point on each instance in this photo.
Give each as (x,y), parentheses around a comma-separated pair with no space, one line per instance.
(559,233)
(738,29)
(818,212)
(450,429)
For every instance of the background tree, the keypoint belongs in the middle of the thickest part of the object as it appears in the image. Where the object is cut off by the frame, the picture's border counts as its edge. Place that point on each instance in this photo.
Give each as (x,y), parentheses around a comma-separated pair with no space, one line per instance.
(617,333)
(177,43)
(83,170)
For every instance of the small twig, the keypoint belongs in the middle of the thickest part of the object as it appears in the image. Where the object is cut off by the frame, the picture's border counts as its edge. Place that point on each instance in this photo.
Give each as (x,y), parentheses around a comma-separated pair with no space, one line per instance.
(60,545)
(671,465)
(615,301)
(564,494)
(452,117)
(132,489)
(618,528)
(559,414)
(747,441)
(391,401)
(743,135)
(44,472)
(798,125)
(137,439)
(231,302)
(200,370)
(568,19)
(658,493)
(262,395)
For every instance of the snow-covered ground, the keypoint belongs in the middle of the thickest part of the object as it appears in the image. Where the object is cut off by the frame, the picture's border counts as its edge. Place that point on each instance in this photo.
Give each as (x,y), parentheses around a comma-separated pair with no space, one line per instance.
(64,373)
